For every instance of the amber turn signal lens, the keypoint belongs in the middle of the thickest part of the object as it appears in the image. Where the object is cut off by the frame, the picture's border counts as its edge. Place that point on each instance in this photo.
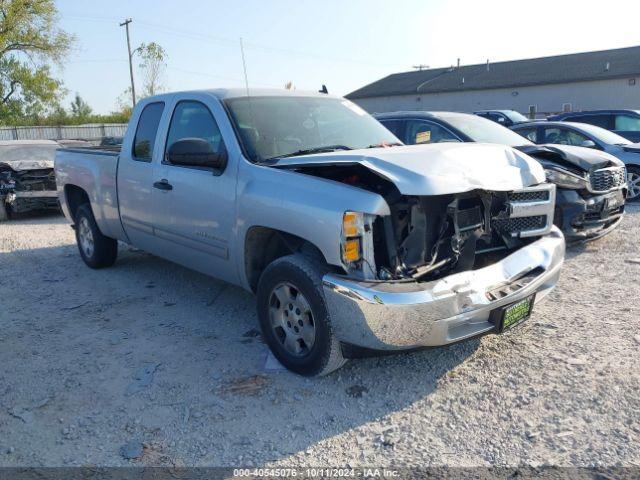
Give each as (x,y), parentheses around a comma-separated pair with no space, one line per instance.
(350,224)
(352,250)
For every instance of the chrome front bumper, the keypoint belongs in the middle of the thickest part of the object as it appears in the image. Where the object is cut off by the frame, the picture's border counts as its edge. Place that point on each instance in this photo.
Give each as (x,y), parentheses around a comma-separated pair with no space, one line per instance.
(398,316)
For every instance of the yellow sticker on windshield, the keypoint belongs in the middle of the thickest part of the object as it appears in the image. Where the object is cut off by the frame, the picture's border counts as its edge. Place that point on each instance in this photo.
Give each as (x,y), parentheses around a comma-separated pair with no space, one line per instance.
(423,137)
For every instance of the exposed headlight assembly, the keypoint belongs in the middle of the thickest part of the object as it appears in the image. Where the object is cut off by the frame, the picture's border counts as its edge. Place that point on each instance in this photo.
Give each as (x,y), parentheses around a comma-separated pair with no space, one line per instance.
(565,179)
(352,232)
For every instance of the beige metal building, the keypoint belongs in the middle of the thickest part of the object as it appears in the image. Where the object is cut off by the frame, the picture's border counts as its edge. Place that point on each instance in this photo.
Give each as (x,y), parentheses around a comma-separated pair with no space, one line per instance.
(535,87)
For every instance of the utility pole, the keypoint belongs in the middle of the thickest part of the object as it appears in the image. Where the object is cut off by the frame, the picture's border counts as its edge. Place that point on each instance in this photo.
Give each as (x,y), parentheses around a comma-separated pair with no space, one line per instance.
(133,86)
(421,66)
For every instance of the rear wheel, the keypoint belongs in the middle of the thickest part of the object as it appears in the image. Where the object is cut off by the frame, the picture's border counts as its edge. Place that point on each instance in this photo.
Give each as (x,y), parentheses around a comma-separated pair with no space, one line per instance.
(97,250)
(294,318)
(633,183)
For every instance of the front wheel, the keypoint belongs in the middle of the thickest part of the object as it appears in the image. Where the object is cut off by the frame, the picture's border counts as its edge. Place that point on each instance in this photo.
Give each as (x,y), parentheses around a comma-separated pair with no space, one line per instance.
(633,183)
(294,319)
(96,250)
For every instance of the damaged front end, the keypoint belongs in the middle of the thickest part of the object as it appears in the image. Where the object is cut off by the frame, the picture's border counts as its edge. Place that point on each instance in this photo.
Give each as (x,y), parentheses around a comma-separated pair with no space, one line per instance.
(26,190)
(438,268)
(427,237)
(441,269)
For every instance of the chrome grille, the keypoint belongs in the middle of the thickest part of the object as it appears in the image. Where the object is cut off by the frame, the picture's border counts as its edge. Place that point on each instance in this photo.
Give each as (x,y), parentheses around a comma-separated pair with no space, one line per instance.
(529,212)
(607,179)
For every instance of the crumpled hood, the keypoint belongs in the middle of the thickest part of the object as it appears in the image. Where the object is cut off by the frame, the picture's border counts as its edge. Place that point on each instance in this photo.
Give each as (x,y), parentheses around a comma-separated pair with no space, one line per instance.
(22,165)
(585,159)
(437,169)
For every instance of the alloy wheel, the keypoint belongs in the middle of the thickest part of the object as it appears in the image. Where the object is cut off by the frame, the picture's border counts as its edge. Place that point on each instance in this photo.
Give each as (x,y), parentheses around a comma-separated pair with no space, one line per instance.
(85,236)
(291,319)
(633,183)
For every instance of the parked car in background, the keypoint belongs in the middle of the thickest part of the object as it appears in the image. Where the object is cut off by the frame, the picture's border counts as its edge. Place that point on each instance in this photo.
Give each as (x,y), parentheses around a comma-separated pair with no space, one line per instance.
(111,141)
(625,123)
(27,180)
(348,241)
(506,118)
(590,184)
(587,135)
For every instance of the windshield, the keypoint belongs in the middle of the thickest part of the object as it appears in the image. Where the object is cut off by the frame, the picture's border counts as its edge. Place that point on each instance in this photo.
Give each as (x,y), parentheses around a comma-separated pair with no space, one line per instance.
(602,135)
(40,153)
(271,127)
(481,130)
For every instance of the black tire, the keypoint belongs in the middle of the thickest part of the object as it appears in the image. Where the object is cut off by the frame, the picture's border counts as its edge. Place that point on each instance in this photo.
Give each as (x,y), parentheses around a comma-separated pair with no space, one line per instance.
(633,170)
(105,249)
(305,275)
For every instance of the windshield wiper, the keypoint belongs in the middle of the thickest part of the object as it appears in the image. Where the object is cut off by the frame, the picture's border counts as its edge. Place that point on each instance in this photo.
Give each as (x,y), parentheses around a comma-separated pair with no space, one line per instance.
(385,144)
(307,151)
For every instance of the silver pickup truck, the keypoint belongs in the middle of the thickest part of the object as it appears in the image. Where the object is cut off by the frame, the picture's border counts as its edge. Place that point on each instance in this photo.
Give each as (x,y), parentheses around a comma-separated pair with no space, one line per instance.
(352,242)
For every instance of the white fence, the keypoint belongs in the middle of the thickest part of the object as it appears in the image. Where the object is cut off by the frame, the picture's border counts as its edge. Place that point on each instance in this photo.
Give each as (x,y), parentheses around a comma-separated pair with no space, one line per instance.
(67,132)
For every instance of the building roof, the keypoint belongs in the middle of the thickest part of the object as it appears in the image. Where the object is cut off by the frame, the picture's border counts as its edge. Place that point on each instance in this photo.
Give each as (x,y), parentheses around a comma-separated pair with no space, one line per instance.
(575,67)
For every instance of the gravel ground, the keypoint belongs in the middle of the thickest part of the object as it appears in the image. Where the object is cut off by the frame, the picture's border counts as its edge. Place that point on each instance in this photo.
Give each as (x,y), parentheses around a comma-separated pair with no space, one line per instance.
(148,363)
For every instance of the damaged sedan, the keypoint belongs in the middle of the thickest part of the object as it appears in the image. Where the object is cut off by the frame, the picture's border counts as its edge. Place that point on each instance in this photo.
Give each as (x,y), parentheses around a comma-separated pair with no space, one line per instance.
(591,184)
(27,179)
(352,242)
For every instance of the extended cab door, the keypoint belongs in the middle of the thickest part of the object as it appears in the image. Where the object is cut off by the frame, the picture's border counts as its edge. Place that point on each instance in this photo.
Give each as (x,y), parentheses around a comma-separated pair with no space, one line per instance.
(194,207)
(135,173)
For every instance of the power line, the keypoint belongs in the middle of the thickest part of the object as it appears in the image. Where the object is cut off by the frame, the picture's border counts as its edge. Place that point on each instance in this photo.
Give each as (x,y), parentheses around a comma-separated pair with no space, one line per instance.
(210,75)
(233,42)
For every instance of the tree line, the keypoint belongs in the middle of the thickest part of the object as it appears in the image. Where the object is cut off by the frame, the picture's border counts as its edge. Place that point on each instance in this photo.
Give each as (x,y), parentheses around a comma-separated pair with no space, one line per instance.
(30,44)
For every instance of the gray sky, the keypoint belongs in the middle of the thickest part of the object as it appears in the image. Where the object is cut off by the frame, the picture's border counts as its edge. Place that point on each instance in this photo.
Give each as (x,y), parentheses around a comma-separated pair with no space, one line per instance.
(343,44)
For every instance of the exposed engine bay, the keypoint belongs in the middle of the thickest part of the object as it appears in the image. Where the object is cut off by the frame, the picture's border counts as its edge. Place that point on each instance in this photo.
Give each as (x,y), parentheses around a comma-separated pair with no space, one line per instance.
(427,237)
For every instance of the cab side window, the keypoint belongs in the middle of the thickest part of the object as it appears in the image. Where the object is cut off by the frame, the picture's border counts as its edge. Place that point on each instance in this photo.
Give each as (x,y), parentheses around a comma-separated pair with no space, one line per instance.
(145,139)
(419,131)
(193,119)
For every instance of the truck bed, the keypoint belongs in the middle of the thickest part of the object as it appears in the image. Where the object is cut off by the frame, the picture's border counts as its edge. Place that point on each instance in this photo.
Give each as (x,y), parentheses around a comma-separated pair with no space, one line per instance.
(94,170)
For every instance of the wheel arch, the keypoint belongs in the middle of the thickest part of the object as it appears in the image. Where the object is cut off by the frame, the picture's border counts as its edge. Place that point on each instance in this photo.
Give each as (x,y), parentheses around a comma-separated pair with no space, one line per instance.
(74,197)
(263,245)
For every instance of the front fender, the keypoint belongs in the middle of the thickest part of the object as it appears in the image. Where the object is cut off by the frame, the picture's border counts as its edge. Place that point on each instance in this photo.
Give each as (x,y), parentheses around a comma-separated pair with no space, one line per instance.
(308,207)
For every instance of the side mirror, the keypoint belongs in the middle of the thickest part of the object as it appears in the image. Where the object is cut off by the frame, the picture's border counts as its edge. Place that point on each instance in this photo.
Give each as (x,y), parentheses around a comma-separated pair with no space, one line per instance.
(588,144)
(196,152)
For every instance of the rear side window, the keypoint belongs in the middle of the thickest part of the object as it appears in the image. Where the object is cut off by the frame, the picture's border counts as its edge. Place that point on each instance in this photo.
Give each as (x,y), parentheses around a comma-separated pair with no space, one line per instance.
(627,123)
(600,120)
(145,138)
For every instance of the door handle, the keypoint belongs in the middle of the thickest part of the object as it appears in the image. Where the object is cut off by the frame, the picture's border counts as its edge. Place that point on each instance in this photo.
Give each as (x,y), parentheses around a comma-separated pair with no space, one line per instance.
(163,185)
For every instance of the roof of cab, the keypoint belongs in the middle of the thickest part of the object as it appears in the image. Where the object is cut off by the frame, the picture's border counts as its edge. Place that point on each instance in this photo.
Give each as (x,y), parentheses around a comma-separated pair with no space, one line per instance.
(226,93)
